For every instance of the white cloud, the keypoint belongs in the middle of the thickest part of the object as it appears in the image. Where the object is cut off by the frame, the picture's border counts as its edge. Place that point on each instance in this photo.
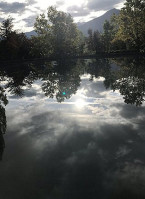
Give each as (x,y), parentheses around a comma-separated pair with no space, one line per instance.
(26,10)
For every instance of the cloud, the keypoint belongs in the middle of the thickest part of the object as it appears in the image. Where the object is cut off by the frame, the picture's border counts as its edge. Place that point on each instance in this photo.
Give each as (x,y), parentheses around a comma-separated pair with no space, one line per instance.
(30,20)
(77,11)
(23,9)
(97,5)
(131,111)
(60,3)
(30,2)
(12,7)
(1,19)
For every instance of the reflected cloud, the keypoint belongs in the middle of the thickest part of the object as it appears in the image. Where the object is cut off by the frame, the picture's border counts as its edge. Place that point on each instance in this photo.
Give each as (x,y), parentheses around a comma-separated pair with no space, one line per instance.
(71,156)
(90,145)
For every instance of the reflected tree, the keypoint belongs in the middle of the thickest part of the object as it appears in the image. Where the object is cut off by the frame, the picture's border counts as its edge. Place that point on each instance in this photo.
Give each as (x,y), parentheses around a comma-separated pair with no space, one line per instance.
(62,81)
(132,88)
(3,102)
(131,81)
(18,76)
(101,68)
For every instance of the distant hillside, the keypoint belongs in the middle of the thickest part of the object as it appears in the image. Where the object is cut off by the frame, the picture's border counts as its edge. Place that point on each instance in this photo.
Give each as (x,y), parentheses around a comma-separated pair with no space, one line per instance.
(29,34)
(97,23)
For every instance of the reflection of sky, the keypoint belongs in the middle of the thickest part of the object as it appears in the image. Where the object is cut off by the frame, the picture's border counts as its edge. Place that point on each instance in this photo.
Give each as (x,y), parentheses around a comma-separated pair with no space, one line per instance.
(91,99)
(63,150)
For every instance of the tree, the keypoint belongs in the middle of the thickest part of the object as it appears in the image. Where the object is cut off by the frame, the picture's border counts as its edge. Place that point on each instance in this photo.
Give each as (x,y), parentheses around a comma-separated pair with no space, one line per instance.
(57,34)
(13,45)
(116,43)
(6,28)
(107,35)
(94,41)
(42,43)
(97,41)
(132,24)
(90,41)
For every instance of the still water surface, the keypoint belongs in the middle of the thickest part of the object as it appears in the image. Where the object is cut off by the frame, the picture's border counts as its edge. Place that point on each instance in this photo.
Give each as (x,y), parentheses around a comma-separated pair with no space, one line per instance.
(73,129)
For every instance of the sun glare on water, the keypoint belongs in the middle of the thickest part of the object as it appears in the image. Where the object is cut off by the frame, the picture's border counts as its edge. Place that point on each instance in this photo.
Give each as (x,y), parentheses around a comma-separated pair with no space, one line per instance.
(80,103)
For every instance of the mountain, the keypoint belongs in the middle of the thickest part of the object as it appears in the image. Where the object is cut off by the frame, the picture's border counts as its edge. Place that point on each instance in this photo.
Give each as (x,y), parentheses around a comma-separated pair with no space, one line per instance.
(97,23)
(29,34)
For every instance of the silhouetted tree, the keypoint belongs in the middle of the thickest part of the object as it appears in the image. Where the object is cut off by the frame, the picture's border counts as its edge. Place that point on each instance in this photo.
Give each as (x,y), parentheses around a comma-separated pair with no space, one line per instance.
(13,45)
(6,28)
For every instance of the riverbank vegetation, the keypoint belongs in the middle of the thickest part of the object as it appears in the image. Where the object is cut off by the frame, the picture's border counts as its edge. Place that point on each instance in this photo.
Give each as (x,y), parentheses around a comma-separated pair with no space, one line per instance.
(58,36)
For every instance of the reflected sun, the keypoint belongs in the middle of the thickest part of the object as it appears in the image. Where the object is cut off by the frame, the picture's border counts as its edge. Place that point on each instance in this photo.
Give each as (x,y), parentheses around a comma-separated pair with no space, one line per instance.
(80,103)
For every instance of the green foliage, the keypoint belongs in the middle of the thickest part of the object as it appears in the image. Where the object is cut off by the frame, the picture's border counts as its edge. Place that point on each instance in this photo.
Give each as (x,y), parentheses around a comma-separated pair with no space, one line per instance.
(90,41)
(107,35)
(123,32)
(56,35)
(94,41)
(131,21)
(42,43)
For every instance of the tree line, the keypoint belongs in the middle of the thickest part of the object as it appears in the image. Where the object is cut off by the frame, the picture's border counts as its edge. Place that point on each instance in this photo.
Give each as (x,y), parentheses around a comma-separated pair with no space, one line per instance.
(58,36)
(125,31)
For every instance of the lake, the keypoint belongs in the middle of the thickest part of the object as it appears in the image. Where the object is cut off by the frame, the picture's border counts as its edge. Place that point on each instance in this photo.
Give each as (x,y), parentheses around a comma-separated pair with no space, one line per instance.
(73,129)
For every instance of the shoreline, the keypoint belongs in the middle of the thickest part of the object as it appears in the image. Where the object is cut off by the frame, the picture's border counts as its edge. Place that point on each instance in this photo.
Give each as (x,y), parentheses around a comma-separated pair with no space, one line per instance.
(98,55)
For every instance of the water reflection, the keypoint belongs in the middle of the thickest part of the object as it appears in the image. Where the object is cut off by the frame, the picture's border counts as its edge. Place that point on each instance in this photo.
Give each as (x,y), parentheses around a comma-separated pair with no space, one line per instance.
(58,156)
(90,145)
(3,101)
(131,82)
(62,79)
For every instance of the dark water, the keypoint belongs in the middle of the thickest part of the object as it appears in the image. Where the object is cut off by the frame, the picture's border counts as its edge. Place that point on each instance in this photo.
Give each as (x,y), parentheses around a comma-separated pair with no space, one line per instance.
(73,129)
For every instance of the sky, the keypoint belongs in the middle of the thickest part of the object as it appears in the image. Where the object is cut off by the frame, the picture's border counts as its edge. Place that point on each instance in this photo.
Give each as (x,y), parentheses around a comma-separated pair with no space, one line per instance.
(24,12)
